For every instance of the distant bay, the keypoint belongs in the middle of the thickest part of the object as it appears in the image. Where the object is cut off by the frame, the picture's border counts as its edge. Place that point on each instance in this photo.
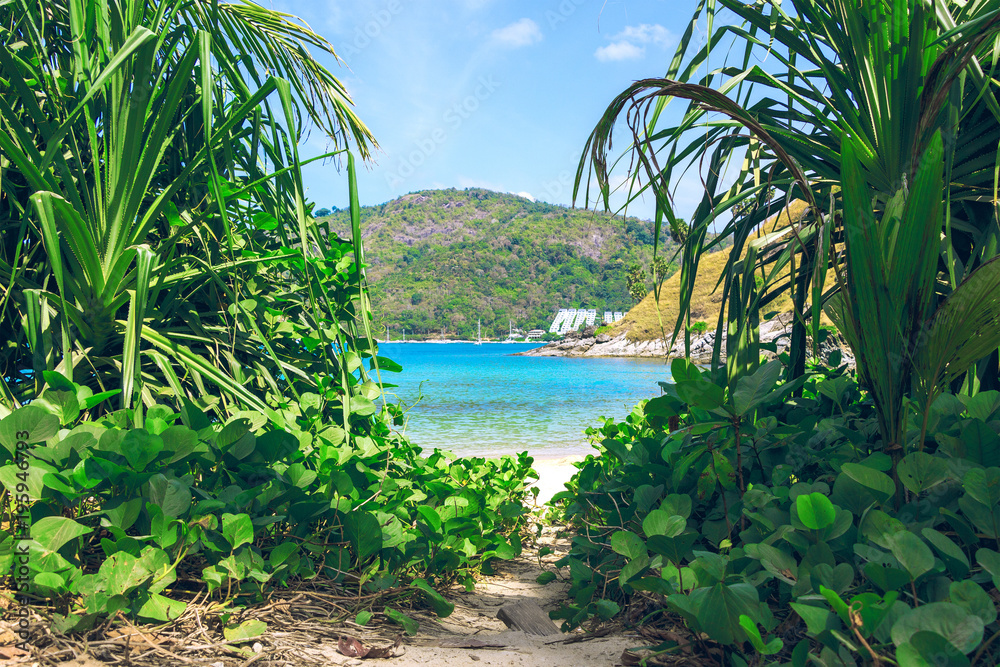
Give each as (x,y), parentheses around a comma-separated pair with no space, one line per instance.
(479,400)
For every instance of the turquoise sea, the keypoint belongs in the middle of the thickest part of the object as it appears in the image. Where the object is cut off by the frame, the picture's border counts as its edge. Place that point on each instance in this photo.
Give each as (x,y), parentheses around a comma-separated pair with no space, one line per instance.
(478,400)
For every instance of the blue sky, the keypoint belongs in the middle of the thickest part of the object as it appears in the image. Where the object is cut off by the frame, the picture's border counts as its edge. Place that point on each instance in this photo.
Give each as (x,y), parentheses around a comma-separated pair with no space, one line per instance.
(500,94)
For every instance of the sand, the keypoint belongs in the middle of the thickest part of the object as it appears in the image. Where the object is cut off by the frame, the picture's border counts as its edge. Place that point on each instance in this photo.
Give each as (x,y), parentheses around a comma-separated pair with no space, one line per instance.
(553,473)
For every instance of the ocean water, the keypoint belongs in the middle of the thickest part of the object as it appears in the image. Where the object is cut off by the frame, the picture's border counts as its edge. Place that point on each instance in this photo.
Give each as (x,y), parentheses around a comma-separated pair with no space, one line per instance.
(478,400)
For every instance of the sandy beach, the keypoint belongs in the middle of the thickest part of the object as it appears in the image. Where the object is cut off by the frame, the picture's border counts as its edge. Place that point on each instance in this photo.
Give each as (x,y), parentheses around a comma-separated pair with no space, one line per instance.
(553,473)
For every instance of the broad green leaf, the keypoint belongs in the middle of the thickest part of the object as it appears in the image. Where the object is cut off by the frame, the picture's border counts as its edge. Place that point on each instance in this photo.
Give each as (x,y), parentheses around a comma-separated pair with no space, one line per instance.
(237,529)
(674,549)
(983,485)
(815,511)
(172,496)
(28,425)
(364,533)
(719,607)
(929,649)
(441,606)
(122,573)
(952,555)
(123,513)
(912,552)
(877,482)
(161,609)
(951,621)
(971,596)
(658,522)
(753,634)
(52,532)
(816,618)
(701,394)
(919,471)
(431,516)
(990,561)
(628,544)
(607,609)
(751,390)
(140,448)
(410,626)
(245,631)
(363,617)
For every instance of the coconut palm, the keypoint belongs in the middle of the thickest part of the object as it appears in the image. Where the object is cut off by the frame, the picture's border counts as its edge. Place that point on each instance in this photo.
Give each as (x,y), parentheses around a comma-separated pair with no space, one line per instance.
(155,238)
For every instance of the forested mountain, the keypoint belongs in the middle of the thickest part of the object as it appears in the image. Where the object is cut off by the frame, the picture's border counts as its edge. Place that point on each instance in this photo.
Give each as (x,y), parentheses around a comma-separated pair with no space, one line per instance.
(447,258)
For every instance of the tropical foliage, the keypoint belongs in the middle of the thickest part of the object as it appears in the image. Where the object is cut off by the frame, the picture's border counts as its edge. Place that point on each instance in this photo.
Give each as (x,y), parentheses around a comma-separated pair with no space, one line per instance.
(797,514)
(771,528)
(772,95)
(191,391)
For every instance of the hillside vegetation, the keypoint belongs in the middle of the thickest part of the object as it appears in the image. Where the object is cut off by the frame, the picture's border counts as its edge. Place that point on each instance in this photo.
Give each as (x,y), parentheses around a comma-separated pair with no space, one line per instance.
(642,322)
(444,259)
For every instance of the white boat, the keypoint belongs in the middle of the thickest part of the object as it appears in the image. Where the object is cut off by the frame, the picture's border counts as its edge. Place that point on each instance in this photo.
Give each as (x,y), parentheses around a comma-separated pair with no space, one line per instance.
(479,332)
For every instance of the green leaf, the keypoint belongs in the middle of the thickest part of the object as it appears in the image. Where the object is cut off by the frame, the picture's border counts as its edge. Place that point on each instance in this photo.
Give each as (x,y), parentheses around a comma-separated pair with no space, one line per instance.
(52,532)
(951,554)
(161,609)
(951,621)
(237,529)
(410,626)
(172,496)
(919,471)
(628,544)
(753,634)
(912,553)
(970,596)
(877,482)
(245,631)
(674,549)
(140,448)
(816,618)
(441,606)
(431,516)
(990,561)
(122,573)
(364,533)
(815,511)
(701,394)
(983,485)
(28,425)
(659,522)
(719,607)
(752,390)
(606,609)
(545,578)
(363,617)
(929,649)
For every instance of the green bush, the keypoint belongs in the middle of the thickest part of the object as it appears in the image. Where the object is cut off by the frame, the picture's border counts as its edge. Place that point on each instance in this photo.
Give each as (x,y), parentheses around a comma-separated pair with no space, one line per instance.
(748,510)
(114,513)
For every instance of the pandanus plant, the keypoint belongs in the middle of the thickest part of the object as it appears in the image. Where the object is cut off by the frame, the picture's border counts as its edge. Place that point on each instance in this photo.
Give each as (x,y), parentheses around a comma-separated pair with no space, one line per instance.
(771,95)
(906,342)
(154,229)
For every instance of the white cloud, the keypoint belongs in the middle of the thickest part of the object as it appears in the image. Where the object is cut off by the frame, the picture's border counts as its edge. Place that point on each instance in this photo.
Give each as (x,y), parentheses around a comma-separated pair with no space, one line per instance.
(524,32)
(646,34)
(630,43)
(623,50)
(526,195)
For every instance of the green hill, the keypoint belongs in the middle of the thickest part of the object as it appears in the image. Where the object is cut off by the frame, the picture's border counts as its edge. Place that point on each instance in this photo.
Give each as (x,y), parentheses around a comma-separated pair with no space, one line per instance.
(447,258)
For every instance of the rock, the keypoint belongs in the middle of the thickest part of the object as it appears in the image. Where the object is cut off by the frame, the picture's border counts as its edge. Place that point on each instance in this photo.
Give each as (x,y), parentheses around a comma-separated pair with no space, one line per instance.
(603,338)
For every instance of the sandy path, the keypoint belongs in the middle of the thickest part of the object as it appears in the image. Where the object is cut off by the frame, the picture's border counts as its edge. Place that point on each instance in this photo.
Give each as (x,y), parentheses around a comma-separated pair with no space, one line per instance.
(475,618)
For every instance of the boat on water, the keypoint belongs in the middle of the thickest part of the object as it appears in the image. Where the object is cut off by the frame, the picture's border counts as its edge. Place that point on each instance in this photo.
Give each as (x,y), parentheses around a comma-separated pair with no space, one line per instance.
(479,332)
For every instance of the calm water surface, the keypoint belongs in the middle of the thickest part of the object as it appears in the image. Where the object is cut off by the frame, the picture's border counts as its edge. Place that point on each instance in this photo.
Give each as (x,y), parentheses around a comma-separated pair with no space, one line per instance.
(478,400)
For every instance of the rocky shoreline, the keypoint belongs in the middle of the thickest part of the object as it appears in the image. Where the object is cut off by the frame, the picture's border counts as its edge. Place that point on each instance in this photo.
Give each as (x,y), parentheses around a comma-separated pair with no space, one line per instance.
(589,344)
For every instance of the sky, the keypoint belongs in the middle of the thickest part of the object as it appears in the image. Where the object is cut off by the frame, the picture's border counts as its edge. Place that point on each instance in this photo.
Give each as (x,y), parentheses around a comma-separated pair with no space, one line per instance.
(498,94)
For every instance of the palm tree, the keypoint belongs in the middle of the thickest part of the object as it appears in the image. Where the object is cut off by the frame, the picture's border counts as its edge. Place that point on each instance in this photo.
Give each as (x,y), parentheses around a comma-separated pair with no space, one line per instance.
(155,238)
